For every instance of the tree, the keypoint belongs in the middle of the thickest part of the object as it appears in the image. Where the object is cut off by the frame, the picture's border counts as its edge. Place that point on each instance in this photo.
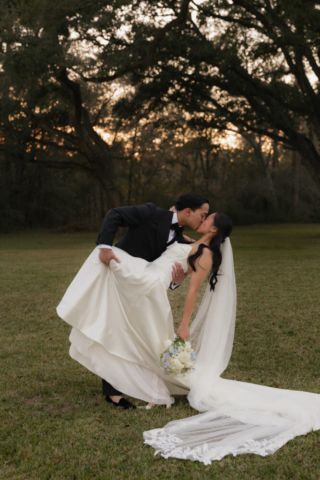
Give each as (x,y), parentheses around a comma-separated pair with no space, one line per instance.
(148,72)
(49,54)
(250,63)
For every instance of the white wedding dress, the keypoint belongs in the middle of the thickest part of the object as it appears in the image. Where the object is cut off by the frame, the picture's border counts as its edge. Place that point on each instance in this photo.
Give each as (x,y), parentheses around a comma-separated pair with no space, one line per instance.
(121,316)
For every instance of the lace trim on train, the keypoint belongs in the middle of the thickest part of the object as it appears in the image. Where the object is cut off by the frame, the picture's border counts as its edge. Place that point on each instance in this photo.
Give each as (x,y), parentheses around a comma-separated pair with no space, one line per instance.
(168,446)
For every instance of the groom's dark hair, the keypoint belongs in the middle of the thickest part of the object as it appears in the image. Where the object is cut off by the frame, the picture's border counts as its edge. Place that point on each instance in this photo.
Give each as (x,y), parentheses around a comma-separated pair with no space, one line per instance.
(190,200)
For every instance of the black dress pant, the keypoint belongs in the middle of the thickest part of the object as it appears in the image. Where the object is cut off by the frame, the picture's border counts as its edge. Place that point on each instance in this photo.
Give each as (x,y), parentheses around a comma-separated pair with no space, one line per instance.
(108,390)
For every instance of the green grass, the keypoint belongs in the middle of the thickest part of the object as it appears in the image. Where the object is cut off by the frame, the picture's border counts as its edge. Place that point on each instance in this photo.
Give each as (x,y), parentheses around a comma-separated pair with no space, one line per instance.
(55,423)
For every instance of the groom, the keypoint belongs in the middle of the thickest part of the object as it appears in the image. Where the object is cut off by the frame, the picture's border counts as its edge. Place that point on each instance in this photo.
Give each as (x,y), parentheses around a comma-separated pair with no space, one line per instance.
(151,230)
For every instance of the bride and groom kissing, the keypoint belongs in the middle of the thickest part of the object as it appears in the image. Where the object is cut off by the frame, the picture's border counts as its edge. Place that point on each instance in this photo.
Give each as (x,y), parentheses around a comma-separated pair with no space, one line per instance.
(120,326)
(121,317)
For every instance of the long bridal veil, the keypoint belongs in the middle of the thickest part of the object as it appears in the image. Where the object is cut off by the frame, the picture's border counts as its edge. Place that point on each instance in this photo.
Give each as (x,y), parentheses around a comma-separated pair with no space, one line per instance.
(212,330)
(238,417)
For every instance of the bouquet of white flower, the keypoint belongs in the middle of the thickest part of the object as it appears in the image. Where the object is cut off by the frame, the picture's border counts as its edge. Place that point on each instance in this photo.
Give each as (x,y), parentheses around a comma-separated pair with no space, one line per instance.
(178,358)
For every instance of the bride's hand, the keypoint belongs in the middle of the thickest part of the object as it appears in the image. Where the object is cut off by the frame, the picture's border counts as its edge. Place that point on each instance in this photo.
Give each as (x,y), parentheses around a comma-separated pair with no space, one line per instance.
(184,333)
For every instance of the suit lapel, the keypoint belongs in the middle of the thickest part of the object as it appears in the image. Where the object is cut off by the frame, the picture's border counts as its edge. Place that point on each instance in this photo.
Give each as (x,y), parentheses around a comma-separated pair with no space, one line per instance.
(163,228)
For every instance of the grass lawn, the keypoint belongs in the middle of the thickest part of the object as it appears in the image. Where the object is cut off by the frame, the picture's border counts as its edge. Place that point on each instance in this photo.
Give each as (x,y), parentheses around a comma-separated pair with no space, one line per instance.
(55,423)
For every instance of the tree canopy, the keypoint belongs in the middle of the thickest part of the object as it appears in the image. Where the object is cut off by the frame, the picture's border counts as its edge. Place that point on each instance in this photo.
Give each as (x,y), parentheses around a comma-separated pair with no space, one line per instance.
(83,83)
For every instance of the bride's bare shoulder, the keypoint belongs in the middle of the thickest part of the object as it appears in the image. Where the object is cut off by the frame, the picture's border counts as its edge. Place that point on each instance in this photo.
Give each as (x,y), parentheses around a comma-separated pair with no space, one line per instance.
(207,254)
(205,260)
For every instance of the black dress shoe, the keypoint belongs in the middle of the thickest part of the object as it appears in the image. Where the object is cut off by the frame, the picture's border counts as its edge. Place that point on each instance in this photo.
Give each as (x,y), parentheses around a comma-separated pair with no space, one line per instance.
(123,403)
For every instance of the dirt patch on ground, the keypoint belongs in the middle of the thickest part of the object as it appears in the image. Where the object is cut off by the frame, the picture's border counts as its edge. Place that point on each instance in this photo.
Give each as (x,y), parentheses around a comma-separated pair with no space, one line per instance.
(65,407)
(52,407)
(35,401)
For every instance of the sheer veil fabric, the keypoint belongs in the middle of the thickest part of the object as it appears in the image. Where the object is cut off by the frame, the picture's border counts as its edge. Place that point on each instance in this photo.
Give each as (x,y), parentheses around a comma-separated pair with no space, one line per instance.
(238,417)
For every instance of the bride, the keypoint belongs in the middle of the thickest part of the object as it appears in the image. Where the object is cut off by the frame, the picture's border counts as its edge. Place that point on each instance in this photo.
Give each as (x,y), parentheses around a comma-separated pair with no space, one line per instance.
(121,317)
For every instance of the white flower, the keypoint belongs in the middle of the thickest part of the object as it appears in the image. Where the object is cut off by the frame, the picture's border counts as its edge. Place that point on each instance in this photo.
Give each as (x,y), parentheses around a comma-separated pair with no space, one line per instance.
(189,365)
(167,344)
(175,364)
(188,345)
(184,357)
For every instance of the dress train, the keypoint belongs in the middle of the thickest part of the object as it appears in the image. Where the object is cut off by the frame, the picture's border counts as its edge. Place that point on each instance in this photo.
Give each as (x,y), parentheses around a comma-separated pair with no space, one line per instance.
(239,417)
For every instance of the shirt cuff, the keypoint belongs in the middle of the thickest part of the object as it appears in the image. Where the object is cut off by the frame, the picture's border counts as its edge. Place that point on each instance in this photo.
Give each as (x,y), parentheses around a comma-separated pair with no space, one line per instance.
(104,246)
(173,286)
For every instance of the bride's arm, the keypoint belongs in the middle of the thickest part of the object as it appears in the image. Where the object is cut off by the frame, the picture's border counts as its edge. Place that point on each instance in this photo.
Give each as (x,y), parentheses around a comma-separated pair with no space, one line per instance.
(202,267)
(191,240)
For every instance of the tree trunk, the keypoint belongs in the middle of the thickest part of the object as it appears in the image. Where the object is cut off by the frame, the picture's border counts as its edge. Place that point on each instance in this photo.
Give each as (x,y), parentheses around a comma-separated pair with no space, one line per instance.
(296,183)
(275,156)
(263,166)
(131,166)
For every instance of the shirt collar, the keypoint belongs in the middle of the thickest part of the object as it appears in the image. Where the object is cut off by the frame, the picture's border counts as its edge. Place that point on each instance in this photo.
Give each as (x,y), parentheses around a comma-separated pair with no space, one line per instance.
(174,218)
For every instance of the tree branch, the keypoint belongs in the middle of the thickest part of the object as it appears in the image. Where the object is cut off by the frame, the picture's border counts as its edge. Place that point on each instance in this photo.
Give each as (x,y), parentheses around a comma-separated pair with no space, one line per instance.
(61,165)
(153,46)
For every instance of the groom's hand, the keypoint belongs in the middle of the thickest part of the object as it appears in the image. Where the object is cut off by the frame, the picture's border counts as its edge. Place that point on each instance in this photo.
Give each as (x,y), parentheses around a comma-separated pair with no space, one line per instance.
(178,274)
(106,255)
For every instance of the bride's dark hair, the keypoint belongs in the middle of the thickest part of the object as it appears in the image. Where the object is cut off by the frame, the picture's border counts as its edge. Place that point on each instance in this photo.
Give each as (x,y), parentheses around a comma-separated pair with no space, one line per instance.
(224,226)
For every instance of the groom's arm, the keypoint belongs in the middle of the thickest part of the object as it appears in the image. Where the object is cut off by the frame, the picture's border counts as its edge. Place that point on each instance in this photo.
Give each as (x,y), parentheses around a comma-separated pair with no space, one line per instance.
(131,216)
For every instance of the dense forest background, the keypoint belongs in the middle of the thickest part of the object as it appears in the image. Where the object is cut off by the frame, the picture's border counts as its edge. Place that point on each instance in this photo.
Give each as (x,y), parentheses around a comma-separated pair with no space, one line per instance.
(109,103)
